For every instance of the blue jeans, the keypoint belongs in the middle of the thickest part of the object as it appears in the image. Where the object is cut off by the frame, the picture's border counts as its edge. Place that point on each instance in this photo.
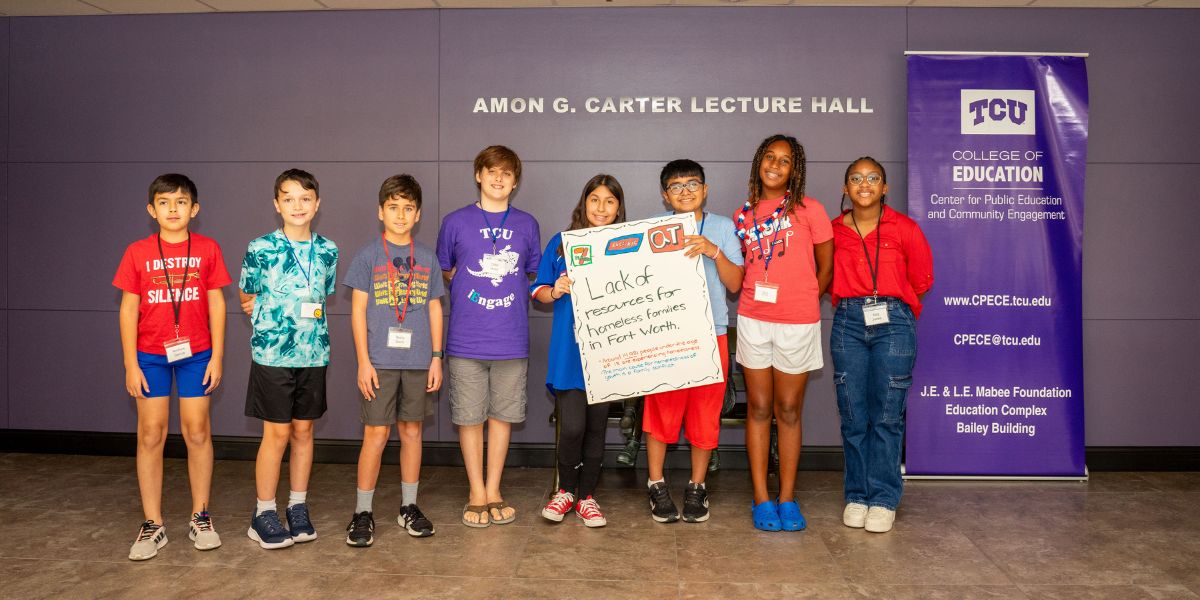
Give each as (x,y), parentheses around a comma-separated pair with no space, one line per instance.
(872,373)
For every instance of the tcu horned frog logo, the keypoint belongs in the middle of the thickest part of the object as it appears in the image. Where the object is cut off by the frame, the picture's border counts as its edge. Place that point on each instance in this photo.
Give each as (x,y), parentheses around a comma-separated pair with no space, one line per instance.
(496,266)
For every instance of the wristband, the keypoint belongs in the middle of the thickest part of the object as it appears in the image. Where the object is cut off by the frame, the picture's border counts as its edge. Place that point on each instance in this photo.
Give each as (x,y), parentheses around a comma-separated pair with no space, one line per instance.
(438,354)
(716,253)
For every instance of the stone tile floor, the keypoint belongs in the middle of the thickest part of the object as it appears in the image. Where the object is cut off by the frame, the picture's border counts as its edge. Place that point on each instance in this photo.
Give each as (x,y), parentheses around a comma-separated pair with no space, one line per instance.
(66,523)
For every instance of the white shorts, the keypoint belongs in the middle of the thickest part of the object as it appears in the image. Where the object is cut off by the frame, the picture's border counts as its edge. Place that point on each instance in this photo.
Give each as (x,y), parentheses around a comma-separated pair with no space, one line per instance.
(791,348)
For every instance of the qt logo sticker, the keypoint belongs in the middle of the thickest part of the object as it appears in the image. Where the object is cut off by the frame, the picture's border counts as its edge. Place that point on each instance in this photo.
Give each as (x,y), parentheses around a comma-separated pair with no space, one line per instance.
(624,244)
(997,112)
(666,238)
(581,255)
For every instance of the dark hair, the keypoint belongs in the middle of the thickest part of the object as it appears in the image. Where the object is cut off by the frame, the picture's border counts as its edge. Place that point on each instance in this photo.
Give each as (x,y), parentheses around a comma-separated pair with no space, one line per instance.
(169,182)
(300,176)
(579,215)
(400,186)
(795,181)
(498,156)
(683,167)
(846,179)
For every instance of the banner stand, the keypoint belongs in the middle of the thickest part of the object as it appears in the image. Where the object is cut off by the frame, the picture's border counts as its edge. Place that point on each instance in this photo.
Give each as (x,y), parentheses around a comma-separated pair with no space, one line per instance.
(1080,478)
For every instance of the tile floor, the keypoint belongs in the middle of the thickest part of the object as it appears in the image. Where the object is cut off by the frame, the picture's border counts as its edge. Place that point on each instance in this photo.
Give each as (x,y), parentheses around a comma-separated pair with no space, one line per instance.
(66,523)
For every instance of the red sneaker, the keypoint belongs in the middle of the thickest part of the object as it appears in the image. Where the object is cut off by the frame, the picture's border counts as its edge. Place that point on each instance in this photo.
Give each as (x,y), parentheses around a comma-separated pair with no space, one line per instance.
(589,511)
(559,505)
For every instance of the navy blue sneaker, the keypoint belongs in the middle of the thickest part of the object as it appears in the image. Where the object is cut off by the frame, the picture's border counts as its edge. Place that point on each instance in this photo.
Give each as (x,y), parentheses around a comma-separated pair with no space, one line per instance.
(266,529)
(299,523)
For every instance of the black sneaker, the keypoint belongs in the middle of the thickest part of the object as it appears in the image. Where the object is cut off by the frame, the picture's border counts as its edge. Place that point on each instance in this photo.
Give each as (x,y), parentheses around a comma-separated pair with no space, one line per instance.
(695,503)
(662,508)
(414,521)
(360,533)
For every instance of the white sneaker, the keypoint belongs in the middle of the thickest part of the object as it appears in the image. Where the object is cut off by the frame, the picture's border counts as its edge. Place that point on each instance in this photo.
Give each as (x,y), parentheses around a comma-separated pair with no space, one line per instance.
(151,536)
(200,531)
(855,515)
(880,519)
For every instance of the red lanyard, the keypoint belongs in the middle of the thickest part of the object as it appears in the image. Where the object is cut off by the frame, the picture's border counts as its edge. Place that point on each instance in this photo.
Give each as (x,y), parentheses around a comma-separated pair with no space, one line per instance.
(400,314)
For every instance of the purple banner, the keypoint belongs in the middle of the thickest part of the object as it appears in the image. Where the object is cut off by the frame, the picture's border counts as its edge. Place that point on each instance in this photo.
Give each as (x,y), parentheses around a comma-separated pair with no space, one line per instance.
(996,154)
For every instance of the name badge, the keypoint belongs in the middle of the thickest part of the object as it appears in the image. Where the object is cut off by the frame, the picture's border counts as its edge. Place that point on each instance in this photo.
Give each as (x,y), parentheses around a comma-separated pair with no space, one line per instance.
(178,349)
(311,310)
(766,292)
(399,337)
(875,313)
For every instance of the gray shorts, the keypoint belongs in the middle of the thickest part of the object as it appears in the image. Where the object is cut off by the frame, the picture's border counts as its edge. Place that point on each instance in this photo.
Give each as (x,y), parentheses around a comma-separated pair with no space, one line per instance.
(401,397)
(483,389)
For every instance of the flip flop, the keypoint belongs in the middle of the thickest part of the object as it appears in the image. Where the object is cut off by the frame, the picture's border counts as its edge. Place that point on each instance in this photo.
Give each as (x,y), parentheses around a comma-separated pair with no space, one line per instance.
(500,506)
(478,509)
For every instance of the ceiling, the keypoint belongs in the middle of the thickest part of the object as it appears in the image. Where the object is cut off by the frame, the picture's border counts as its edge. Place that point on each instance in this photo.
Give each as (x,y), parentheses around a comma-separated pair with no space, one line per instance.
(23,8)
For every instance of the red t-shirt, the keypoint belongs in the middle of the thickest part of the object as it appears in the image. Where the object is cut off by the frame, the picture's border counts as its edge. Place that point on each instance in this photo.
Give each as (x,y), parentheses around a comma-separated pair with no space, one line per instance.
(905,261)
(141,273)
(793,265)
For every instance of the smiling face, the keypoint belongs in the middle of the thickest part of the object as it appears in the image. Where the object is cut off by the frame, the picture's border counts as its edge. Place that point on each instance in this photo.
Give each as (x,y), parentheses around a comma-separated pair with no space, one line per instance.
(173,210)
(776,168)
(865,185)
(496,183)
(681,195)
(601,206)
(399,216)
(296,205)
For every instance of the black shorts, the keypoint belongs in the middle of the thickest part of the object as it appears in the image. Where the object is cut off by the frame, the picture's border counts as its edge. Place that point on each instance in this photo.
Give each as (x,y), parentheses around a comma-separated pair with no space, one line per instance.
(281,394)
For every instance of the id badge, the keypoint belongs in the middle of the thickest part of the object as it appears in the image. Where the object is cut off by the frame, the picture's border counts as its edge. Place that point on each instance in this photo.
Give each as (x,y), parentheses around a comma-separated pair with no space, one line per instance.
(875,313)
(399,337)
(766,292)
(311,310)
(178,349)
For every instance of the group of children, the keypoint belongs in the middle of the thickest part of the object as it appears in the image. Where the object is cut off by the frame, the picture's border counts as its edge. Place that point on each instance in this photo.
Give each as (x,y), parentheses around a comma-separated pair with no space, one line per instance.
(488,257)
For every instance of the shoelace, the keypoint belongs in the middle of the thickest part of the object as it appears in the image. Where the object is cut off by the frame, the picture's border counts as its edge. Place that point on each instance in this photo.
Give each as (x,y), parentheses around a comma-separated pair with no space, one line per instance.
(202,521)
(149,528)
(661,494)
(271,520)
(362,521)
(589,508)
(298,516)
(693,495)
(415,515)
(562,501)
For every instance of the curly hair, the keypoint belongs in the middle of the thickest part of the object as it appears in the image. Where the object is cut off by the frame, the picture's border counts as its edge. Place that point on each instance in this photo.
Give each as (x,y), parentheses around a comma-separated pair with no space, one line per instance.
(796,180)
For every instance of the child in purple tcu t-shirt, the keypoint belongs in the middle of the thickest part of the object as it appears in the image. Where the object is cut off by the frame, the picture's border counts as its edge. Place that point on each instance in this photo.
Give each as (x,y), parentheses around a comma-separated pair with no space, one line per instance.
(488,252)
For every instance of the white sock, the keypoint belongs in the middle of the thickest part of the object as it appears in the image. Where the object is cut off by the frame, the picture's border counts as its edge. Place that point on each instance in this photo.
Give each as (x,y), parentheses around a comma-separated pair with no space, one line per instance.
(295,497)
(699,485)
(265,505)
(650,482)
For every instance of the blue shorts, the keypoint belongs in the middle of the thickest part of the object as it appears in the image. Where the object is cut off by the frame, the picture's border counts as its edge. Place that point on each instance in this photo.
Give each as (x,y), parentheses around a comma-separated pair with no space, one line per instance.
(188,373)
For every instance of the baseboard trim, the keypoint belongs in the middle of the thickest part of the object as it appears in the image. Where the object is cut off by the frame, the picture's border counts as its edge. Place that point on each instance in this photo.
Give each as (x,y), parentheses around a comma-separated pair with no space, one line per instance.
(812,458)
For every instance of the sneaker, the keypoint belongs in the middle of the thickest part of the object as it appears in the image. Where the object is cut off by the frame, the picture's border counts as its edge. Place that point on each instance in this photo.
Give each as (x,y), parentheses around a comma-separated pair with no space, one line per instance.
(589,511)
(695,503)
(151,536)
(559,505)
(360,533)
(414,521)
(268,531)
(855,515)
(880,519)
(299,523)
(200,531)
(662,508)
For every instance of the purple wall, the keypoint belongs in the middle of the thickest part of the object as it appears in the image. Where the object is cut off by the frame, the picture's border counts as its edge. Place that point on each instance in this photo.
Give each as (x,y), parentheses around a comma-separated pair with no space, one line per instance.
(357,96)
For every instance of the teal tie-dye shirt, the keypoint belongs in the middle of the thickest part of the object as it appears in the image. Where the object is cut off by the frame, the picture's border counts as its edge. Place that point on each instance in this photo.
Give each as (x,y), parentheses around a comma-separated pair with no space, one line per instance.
(283,278)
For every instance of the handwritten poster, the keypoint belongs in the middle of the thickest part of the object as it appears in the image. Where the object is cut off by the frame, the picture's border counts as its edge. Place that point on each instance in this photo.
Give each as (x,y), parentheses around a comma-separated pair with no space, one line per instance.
(642,314)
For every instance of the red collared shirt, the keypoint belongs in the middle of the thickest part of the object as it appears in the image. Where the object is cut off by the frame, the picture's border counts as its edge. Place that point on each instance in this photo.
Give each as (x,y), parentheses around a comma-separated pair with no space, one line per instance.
(905,261)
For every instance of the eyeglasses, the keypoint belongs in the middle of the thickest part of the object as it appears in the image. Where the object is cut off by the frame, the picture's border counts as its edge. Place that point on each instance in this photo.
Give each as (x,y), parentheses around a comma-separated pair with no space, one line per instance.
(872,179)
(692,186)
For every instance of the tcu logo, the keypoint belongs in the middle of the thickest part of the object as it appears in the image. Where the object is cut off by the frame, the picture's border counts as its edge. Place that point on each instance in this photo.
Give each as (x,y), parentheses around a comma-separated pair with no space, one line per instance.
(997,112)
(665,238)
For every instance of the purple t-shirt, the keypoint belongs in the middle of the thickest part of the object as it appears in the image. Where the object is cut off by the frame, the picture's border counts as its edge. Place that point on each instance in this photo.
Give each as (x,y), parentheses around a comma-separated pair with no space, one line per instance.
(489,299)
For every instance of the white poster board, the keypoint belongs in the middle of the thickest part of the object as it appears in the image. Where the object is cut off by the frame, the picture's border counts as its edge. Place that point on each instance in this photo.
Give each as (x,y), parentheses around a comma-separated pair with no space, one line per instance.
(642,314)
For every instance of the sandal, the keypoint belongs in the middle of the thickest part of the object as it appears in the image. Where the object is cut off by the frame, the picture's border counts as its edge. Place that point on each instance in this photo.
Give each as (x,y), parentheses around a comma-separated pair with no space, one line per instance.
(766,516)
(499,508)
(479,509)
(790,517)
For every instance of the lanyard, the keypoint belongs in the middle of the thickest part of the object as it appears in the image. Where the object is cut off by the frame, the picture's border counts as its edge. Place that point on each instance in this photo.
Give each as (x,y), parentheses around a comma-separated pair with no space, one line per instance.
(760,229)
(400,314)
(703,218)
(491,233)
(312,251)
(176,303)
(873,268)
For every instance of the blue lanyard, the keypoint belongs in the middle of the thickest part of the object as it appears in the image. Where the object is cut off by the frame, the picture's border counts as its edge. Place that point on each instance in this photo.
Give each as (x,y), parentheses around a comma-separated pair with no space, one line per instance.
(774,237)
(703,218)
(491,233)
(312,251)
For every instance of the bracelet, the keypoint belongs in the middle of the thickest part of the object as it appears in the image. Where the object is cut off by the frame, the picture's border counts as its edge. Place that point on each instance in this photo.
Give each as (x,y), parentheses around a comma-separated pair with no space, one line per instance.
(552,296)
(716,253)
(438,354)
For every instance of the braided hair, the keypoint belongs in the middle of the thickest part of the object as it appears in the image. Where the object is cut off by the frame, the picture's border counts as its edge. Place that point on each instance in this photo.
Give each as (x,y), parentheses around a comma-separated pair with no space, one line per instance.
(796,179)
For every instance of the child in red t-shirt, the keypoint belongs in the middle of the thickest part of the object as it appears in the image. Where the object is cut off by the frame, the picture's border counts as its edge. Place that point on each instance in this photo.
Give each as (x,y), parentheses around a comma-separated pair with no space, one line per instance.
(787,241)
(172,326)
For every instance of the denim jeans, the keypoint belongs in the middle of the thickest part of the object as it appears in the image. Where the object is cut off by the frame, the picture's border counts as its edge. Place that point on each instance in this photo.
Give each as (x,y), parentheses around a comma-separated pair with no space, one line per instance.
(872,374)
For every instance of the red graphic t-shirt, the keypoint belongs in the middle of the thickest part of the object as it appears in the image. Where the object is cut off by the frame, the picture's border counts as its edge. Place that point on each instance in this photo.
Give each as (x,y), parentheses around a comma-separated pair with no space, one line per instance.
(789,243)
(141,272)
